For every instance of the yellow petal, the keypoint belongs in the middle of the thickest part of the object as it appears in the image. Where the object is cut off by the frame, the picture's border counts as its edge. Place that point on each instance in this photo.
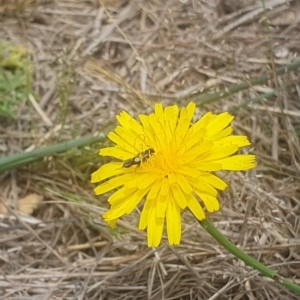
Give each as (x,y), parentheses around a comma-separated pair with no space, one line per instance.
(211,203)
(154,228)
(202,186)
(132,180)
(178,196)
(129,123)
(126,145)
(106,171)
(117,153)
(239,140)
(112,223)
(164,187)
(183,183)
(120,195)
(188,171)
(160,135)
(125,207)
(219,122)
(198,152)
(171,115)
(173,220)
(182,128)
(145,180)
(194,137)
(191,110)
(195,207)
(111,184)
(161,206)
(219,152)
(169,122)
(114,213)
(203,121)
(137,141)
(148,130)
(219,135)
(144,218)
(159,111)
(208,166)
(133,201)
(154,189)
(214,181)
(124,119)
(172,178)
(238,162)
(145,122)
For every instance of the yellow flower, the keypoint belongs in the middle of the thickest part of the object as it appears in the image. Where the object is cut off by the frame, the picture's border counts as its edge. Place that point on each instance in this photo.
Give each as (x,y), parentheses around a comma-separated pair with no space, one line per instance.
(167,160)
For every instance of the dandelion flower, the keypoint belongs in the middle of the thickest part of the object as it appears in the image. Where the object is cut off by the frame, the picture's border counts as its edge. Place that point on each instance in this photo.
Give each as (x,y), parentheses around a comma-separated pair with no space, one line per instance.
(167,162)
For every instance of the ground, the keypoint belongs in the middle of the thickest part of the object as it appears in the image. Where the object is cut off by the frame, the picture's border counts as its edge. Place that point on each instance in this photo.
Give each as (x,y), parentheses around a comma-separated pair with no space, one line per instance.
(85,61)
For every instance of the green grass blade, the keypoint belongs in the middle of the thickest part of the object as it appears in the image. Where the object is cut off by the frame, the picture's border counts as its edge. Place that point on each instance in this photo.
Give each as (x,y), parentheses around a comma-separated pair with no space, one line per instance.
(21,159)
(209,98)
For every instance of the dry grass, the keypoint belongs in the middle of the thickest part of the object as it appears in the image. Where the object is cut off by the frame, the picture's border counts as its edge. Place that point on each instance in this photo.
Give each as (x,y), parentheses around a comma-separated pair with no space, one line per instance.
(93,60)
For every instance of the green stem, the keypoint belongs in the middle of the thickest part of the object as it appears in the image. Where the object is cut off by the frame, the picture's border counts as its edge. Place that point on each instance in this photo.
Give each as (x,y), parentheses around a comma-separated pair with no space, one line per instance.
(234,109)
(223,241)
(24,158)
(18,160)
(201,99)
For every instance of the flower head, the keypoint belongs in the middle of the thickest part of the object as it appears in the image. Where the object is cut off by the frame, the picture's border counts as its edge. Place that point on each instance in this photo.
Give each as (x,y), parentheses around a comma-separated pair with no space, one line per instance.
(167,160)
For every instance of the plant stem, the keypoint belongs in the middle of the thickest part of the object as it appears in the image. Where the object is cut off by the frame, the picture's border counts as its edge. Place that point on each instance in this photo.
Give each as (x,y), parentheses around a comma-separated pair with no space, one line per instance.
(17,160)
(223,241)
(208,98)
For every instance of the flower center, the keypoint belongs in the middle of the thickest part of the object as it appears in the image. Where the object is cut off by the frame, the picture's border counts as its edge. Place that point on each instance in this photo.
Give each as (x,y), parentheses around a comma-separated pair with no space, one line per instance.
(165,163)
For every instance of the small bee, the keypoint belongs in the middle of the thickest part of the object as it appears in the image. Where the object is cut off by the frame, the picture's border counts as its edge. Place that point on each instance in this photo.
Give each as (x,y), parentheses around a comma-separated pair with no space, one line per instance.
(137,160)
